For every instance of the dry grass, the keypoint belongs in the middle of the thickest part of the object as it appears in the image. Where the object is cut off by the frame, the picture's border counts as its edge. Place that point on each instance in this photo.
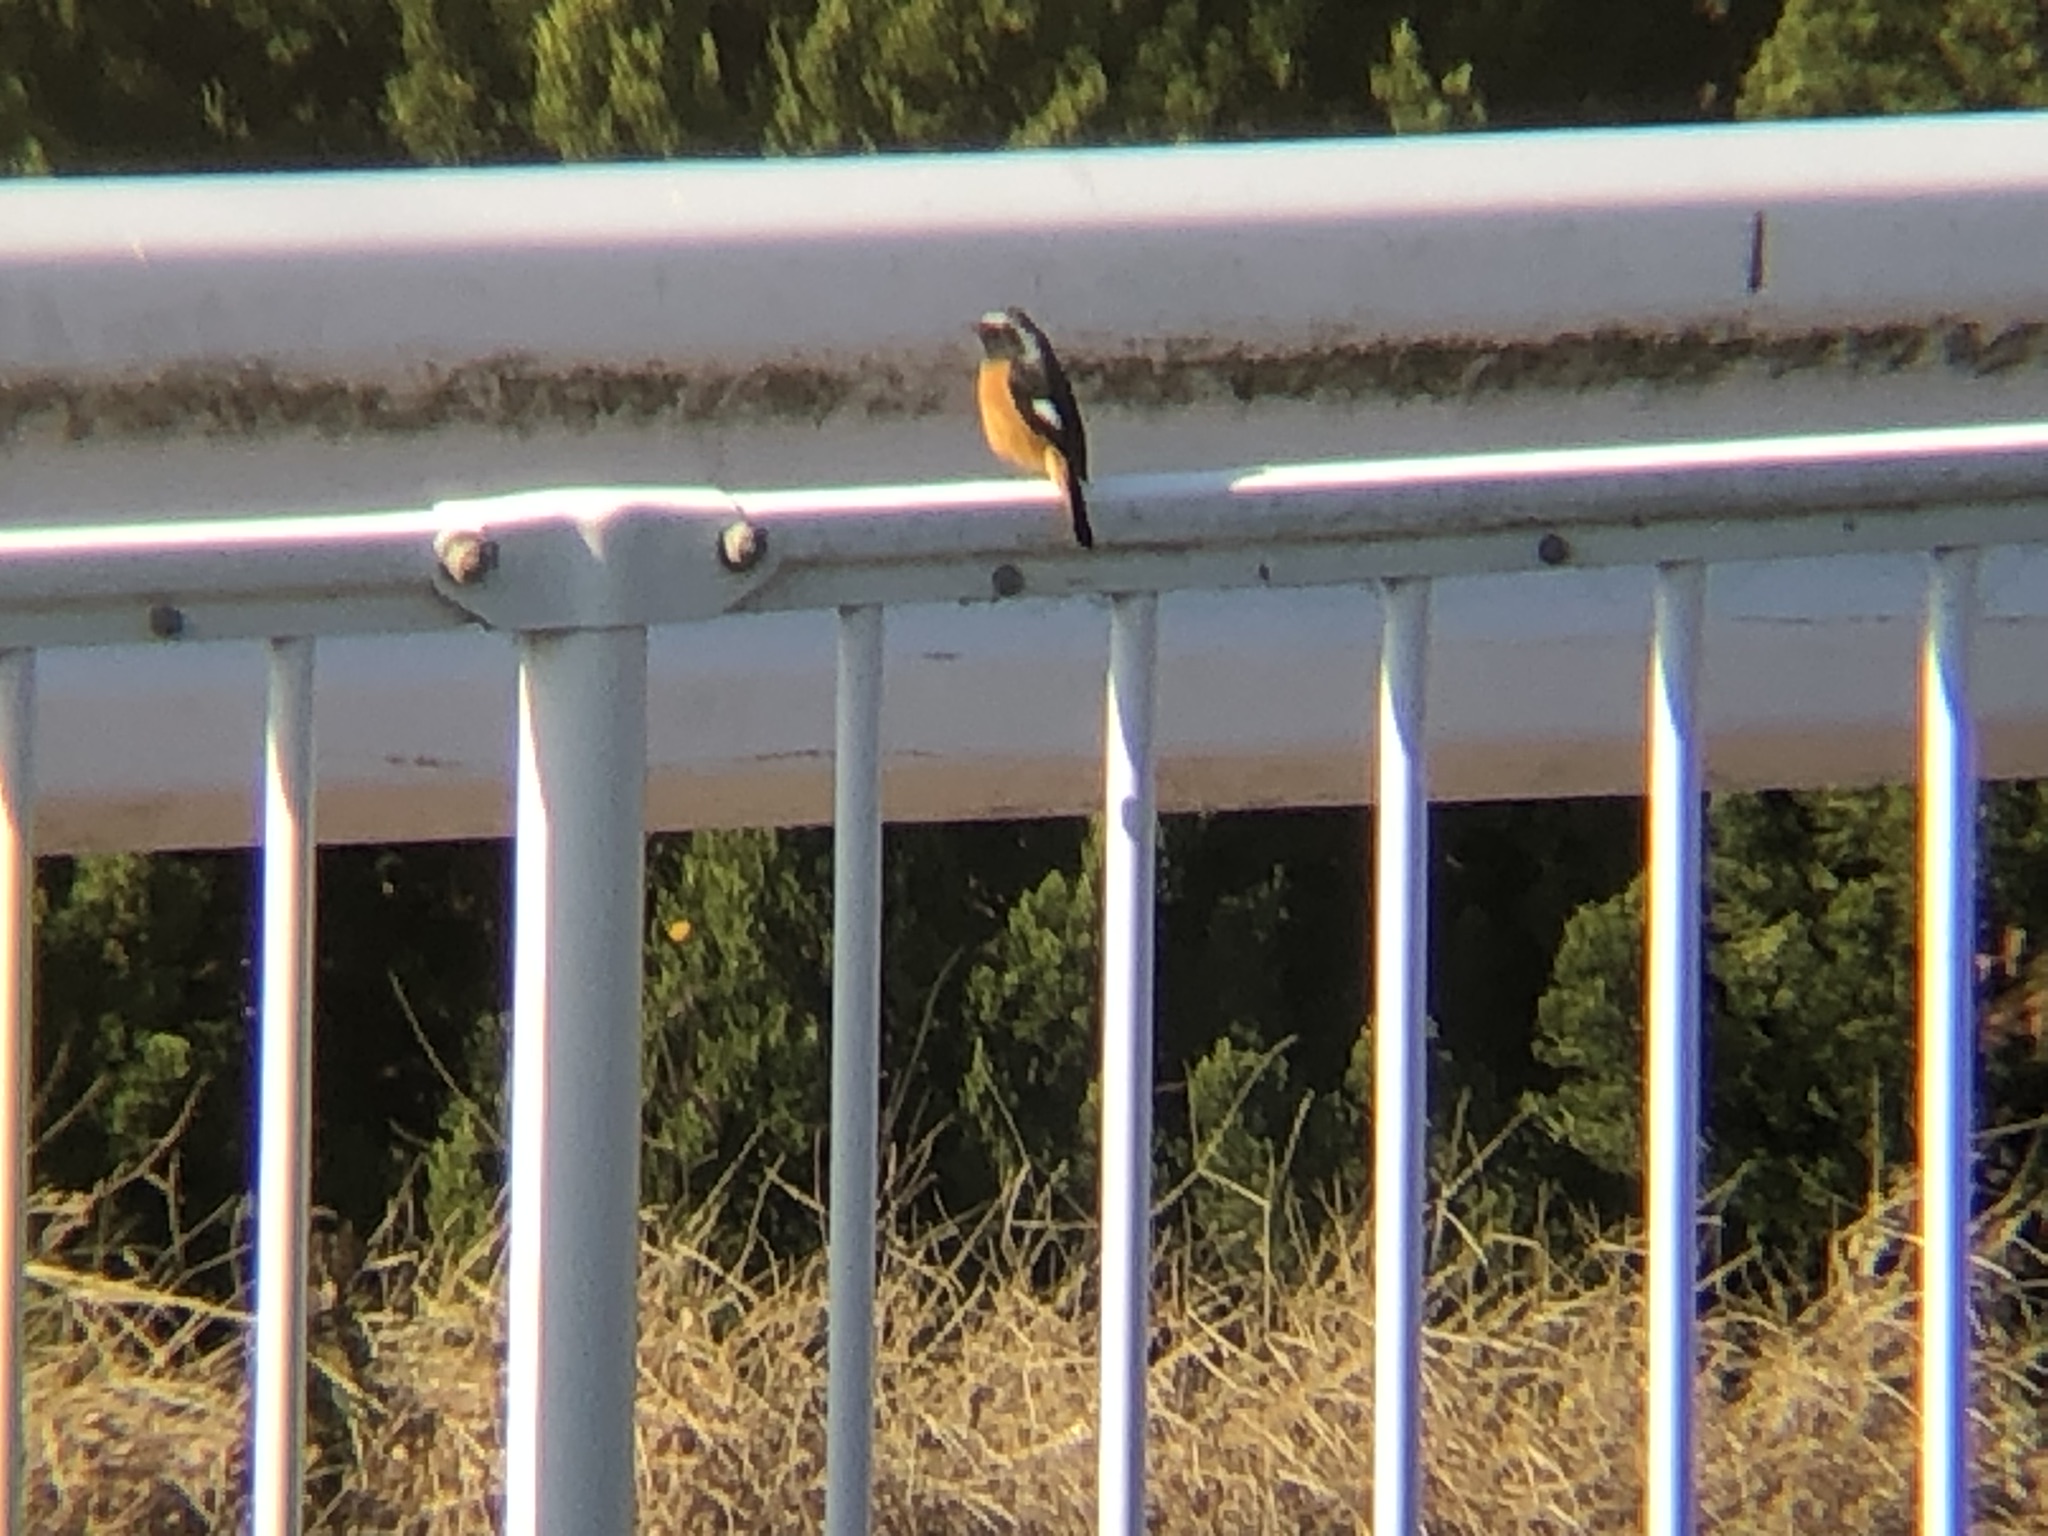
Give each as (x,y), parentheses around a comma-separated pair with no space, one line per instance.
(1262,1395)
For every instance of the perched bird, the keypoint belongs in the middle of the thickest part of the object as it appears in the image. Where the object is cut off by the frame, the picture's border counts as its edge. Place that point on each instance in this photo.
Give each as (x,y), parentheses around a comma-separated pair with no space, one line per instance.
(1028,412)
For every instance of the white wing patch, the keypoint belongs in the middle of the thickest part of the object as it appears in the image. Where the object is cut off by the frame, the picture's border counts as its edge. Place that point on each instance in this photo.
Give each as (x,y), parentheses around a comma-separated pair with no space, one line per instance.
(1049,413)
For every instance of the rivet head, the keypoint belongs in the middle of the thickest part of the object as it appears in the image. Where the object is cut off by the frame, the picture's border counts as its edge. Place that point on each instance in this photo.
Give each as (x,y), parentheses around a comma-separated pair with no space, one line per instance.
(166,621)
(1006,580)
(741,546)
(1553,549)
(466,555)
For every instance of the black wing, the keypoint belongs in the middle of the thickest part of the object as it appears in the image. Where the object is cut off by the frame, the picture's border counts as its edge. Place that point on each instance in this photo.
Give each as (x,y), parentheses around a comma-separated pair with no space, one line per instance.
(1039,386)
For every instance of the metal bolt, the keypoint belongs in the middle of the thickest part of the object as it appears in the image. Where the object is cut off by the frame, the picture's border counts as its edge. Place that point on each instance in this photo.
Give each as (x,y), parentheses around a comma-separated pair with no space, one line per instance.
(741,546)
(1007,580)
(166,621)
(1553,549)
(466,555)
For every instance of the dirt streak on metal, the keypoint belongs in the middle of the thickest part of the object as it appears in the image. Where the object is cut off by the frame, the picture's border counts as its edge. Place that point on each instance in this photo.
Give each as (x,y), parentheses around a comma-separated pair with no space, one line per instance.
(514,393)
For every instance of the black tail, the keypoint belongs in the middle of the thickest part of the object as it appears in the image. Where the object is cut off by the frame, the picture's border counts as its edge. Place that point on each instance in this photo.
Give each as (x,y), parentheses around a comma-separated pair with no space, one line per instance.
(1084,535)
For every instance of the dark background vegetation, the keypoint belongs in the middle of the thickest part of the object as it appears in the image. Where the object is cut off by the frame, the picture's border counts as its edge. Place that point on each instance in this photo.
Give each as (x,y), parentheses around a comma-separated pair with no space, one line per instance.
(146,1005)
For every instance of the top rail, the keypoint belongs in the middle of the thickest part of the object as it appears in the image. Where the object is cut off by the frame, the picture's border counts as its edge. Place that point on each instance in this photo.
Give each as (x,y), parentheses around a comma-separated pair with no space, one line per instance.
(1490,234)
(624,556)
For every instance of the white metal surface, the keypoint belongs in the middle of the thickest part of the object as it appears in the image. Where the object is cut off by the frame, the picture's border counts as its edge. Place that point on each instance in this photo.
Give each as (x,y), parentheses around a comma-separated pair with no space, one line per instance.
(1948,949)
(1671,997)
(1400,1094)
(650,554)
(183,348)
(284,1121)
(1130,836)
(737,260)
(17,969)
(612,556)
(1535,691)
(571,1272)
(856,1075)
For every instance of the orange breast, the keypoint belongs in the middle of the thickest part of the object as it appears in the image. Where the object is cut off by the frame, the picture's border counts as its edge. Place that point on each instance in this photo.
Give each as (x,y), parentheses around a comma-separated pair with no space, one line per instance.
(1008,434)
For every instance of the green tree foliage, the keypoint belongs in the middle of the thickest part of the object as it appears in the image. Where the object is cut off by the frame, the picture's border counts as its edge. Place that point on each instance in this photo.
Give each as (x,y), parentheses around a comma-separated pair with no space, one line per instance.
(462,1168)
(1261,994)
(453,96)
(1239,1156)
(1204,69)
(21,148)
(141,1007)
(1852,58)
(1507,881)
(1414,100)
(864,74)
(1808,1010)
(411,949)
(1565,63)
(1028,1018)
(577,79)
(146,1012)
(188,83)
(738,1007)
(198,83)
(986,966)
(625,77)
(951,73)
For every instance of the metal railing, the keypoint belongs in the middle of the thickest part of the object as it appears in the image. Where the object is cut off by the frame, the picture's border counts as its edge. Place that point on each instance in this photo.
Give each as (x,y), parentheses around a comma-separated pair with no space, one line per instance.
(580,576)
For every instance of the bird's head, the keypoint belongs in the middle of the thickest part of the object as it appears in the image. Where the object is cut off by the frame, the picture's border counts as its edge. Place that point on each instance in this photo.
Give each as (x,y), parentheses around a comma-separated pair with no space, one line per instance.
(1006,334)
